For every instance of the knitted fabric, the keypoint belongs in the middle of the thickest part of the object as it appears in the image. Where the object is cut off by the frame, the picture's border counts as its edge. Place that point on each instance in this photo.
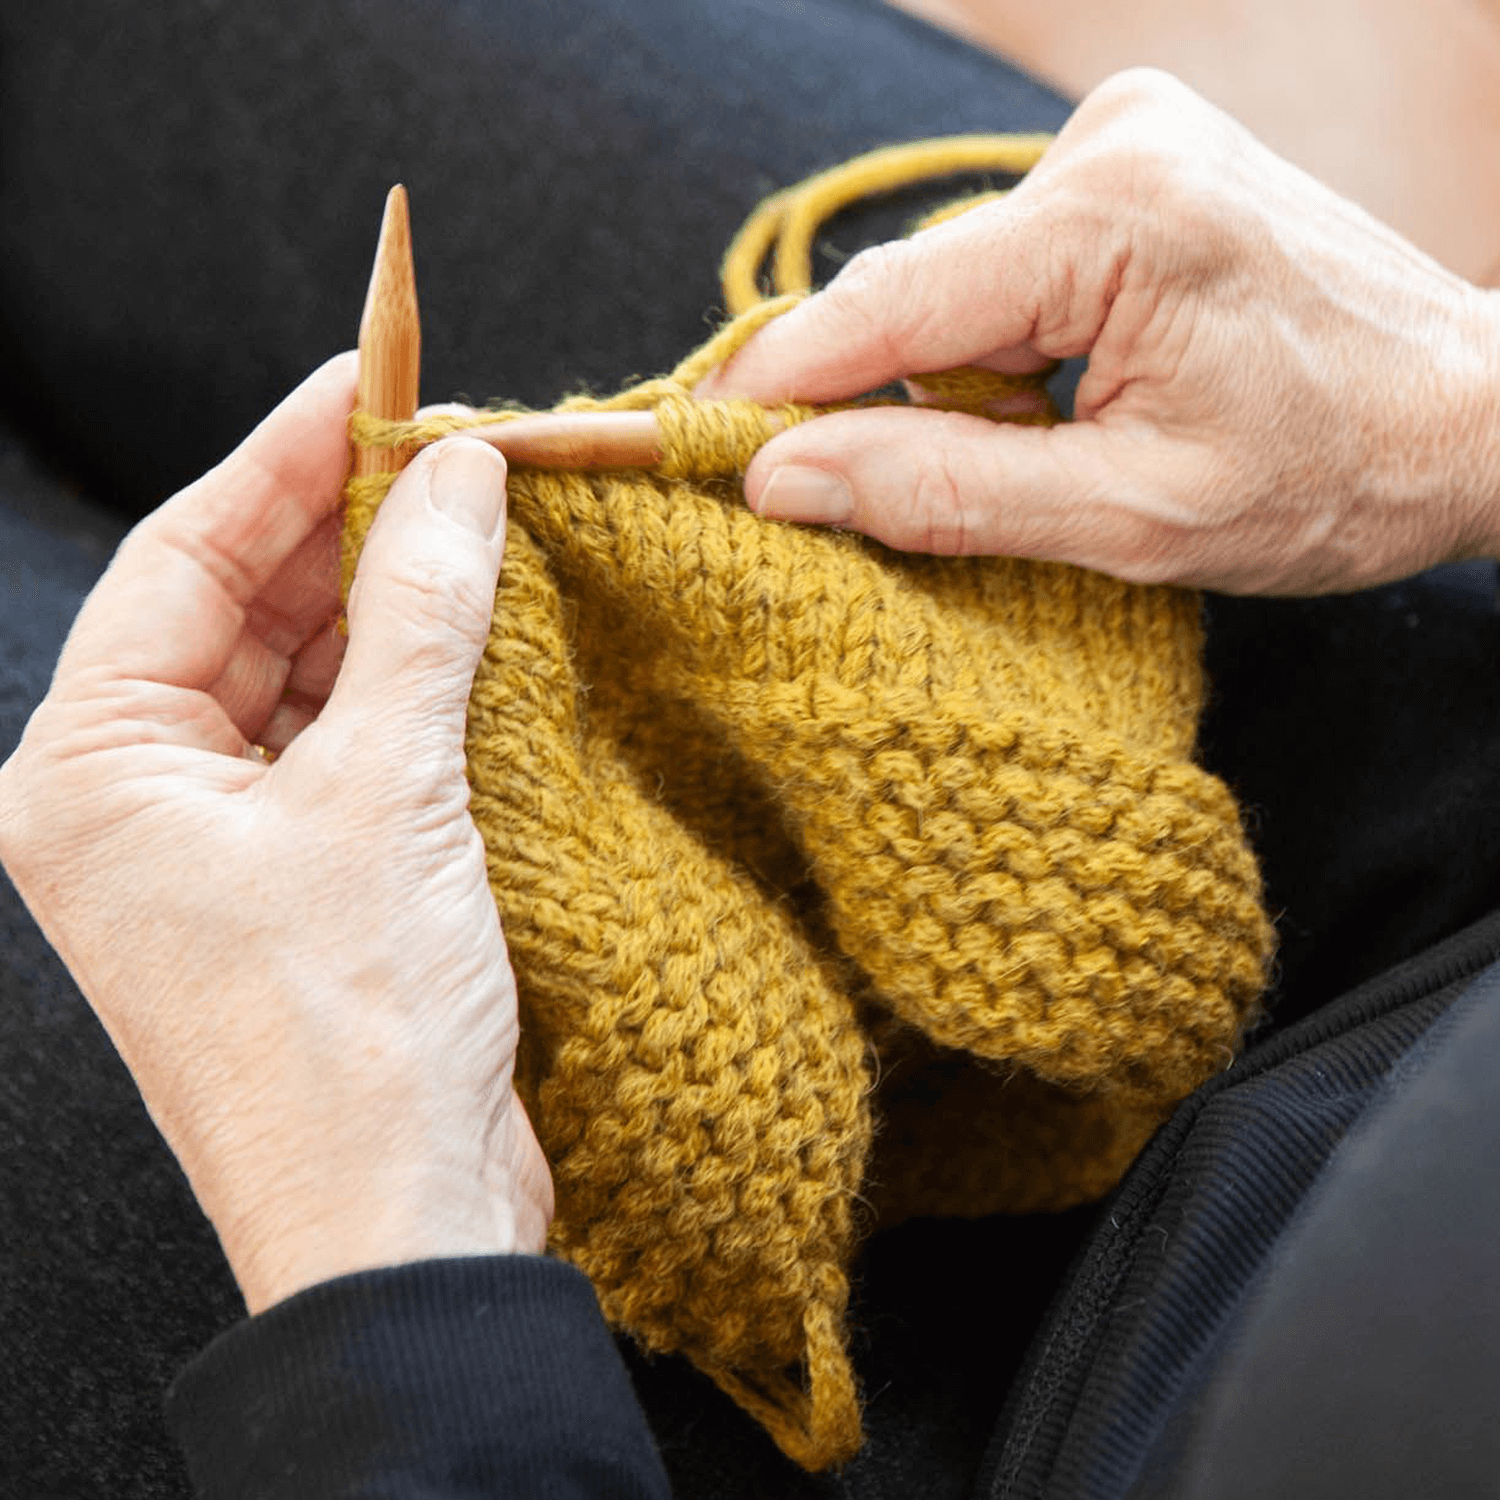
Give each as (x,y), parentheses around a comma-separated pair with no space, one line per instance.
(840,885)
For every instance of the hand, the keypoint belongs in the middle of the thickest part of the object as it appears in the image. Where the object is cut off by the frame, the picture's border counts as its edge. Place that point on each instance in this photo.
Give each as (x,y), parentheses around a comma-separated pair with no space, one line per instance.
(1282,395)
(300,962)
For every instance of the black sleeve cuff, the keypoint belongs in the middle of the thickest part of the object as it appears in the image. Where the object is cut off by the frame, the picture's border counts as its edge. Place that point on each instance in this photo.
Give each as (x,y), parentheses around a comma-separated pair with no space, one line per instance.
(449,1378)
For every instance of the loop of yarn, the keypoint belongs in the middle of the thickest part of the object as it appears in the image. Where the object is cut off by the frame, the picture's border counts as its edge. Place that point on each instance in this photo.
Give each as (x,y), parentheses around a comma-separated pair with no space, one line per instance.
(787,222)
(840,885)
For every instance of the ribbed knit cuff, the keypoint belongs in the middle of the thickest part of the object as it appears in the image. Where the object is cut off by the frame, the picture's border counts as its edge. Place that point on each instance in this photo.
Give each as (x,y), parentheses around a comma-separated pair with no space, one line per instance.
(451,1378)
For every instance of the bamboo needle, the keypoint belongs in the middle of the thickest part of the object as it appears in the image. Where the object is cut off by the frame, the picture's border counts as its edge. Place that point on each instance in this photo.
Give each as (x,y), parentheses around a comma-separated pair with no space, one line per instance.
(390,336)
(577,440)
(390,362)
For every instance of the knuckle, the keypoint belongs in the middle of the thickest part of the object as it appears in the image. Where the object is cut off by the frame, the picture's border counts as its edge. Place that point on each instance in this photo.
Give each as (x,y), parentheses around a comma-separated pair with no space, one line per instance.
(1143,129)
(871,296)
(1133,92)
(938,520)
(1163,196)
(438,603)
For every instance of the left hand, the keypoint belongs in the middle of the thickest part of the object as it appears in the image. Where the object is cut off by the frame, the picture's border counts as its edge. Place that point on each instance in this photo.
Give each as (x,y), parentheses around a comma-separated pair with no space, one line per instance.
(1282,396)
(300,961)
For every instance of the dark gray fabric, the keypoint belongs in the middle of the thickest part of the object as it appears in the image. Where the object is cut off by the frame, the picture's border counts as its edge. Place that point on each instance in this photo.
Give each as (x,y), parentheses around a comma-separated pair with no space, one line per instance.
(1114,1386)
(1370,1364)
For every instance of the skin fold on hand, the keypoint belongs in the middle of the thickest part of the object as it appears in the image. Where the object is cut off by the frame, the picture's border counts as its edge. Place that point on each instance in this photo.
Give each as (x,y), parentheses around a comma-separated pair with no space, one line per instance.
(299,959)
(1282,395)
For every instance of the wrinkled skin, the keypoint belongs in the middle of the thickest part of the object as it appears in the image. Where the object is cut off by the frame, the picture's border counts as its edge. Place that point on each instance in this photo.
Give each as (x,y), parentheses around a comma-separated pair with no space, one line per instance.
(1282,395)
(299,960)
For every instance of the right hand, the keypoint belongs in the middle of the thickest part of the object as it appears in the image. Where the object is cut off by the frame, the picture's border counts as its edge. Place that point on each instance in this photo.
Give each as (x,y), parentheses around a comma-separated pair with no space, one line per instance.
(1282,394)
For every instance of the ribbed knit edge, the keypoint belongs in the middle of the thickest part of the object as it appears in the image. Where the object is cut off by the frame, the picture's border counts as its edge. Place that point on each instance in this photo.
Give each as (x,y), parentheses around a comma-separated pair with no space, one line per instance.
(447,1379)
(1128,1322)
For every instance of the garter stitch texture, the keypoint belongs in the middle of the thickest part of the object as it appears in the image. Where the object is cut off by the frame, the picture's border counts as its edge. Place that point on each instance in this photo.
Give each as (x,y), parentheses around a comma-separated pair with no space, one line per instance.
(840,885)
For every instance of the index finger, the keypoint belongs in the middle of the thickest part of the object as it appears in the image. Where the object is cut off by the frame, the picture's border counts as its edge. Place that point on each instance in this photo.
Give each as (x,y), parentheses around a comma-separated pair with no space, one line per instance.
(967,290)
(172,603)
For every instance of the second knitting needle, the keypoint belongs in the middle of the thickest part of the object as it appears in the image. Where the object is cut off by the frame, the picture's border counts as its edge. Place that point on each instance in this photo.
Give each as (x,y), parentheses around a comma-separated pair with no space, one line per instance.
(577,440)
(390,359)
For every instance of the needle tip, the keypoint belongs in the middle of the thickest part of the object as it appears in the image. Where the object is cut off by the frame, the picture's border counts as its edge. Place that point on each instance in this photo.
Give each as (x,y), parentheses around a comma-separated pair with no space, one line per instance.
(390,328)
(395,224)
(393,278)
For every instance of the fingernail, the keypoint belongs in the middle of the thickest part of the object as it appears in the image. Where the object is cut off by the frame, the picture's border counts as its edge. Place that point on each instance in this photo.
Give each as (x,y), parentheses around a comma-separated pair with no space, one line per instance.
(795,492)
(467,484)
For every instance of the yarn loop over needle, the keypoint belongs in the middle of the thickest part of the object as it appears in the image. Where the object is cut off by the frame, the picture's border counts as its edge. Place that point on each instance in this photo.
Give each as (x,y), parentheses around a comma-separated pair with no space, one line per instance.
(841,885)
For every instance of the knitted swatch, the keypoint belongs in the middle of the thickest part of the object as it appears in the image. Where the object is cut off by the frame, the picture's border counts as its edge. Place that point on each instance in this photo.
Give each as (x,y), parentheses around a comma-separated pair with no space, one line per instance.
(840,885)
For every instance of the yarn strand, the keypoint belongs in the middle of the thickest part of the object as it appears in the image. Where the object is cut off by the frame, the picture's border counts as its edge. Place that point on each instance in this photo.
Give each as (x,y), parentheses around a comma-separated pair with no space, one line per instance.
(787,222)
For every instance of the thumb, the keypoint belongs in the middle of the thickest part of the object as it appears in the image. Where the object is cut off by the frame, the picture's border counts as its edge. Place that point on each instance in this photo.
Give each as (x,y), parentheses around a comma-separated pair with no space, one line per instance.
(944,482)
(419,611)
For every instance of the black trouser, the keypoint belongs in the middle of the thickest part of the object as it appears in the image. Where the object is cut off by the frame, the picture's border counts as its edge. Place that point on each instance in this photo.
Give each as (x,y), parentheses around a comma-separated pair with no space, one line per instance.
(188,200)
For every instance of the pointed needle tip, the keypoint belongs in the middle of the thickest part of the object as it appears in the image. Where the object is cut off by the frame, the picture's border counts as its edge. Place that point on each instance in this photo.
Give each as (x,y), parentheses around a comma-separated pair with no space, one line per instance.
(390,330)
(395,223)
(393,277)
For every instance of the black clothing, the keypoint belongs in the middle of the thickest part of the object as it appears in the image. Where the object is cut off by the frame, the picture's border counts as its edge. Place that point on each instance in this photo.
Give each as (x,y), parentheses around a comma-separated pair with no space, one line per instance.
(188,200)
(453,1378)
(1249,1318)
(1265,1308)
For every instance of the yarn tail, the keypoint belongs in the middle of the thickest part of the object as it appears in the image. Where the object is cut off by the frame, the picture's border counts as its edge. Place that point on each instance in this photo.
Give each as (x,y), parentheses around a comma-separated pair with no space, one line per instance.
(816,1424)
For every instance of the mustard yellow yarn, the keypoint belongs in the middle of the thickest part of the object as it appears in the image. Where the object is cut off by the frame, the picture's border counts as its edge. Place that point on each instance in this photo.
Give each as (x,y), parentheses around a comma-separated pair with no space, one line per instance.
(785,223)
(840,885)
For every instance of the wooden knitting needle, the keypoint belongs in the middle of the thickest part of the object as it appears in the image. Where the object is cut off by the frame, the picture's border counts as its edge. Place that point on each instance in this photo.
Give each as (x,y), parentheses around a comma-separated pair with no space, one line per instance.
(577,439)
(390,362)
(390,336)
(390,365)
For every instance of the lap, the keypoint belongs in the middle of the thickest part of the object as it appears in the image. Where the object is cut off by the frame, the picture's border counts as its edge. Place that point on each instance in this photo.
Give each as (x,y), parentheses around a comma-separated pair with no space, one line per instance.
(575,176)
(574,182)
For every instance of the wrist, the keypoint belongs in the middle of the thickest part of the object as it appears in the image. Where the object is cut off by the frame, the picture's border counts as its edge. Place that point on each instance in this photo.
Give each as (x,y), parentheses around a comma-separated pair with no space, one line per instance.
(486,1192)
(382,1221)
(1475,440)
